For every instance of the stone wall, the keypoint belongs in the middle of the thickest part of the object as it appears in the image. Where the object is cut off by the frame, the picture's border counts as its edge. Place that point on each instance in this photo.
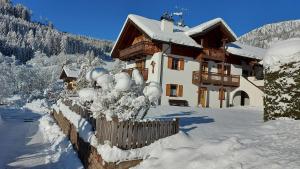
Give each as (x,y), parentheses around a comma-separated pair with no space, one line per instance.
(87,153)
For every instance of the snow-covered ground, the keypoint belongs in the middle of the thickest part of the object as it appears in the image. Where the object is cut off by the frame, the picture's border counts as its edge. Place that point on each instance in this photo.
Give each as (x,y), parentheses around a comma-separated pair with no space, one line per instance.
(30,139)
(230,138)
(233,138)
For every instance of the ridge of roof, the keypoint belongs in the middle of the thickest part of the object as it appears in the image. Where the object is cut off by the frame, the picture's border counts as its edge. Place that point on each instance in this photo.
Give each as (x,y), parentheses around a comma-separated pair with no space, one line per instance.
(204,26)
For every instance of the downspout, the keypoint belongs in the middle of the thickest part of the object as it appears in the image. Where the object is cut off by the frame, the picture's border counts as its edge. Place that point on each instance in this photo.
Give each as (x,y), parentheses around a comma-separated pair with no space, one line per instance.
(162,67)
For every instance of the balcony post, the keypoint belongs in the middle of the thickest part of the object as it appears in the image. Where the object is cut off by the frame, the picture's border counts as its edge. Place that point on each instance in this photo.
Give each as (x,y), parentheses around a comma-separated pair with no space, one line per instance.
(200,80)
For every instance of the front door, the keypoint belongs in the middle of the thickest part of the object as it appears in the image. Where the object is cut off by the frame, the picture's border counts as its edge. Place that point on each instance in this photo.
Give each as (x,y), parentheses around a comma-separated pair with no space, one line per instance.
(202,96)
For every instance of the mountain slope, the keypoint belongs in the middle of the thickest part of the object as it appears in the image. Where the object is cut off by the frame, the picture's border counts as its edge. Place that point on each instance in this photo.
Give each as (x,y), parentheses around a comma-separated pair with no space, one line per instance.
(21,37)
(266,35)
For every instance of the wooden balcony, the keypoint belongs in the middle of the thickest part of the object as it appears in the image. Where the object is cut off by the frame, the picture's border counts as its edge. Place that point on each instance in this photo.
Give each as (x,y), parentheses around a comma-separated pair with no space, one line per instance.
(213,54)
(144,72)
(138,50)
(216,79)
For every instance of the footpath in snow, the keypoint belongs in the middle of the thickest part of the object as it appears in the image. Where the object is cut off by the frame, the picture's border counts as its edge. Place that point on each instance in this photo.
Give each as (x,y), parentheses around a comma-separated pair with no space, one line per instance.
(31,139)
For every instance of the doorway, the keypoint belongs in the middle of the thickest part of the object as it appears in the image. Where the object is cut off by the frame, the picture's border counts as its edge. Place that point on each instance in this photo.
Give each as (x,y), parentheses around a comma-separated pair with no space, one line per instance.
(202,96)
(241,98)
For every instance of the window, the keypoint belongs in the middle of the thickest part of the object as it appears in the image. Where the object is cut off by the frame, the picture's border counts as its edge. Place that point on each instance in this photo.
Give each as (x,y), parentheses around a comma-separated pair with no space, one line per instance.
(174,90)
(175,63)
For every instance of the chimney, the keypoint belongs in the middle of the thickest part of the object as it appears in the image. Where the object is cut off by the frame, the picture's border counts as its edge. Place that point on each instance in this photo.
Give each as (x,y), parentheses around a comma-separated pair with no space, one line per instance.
(167,23)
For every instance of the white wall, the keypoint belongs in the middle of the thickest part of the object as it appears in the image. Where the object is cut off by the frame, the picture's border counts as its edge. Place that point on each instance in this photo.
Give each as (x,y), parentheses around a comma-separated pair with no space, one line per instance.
(259,83)
(180,77)
(255,94)
(213,96)
(155,75)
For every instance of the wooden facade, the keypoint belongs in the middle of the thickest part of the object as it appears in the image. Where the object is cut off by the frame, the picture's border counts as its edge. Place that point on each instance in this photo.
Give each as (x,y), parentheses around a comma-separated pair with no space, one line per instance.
(138,50)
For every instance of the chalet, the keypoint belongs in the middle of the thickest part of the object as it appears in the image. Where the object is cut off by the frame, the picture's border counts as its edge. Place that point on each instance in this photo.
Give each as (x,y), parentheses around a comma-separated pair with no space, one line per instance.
(69,76)
(199,66)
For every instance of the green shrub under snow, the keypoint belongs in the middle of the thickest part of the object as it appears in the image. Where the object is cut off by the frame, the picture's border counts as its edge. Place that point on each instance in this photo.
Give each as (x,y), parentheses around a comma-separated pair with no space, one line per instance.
(282,89)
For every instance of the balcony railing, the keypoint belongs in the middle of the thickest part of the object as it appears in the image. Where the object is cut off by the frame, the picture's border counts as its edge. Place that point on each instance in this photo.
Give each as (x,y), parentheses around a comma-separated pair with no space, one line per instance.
(216,79)
(214,54)
(144,72)
(139,49)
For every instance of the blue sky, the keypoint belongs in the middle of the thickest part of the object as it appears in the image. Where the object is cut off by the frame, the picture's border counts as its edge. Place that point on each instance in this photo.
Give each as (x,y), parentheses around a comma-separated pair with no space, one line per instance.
(103,19)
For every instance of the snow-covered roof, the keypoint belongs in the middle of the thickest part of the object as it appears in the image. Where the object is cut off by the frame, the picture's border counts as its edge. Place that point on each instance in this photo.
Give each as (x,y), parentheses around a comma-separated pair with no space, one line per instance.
(153,29)
(240,49)
(180,35)
(71,72)
(206,25)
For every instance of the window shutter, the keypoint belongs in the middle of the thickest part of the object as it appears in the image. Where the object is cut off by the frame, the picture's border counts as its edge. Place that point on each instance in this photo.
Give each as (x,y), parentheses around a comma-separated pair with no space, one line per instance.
(181,64)
(170,62)
(180,90)
(168,89)
(222,94)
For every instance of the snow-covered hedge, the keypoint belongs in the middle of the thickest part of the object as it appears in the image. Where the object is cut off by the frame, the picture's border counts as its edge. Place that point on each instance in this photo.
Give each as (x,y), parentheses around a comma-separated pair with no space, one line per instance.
(119,95)
(282,80)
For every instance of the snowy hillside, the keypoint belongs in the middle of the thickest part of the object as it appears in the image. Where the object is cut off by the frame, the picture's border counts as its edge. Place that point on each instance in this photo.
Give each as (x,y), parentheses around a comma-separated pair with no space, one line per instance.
(266,35)
(32,54)
(22,37)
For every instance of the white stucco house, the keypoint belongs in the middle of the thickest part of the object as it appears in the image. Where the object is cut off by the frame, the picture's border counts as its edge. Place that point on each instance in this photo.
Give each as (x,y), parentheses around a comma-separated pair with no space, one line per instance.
(198,66)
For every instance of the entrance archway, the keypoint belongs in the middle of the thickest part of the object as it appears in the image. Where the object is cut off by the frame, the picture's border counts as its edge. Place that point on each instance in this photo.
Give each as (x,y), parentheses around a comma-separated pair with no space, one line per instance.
(241,98)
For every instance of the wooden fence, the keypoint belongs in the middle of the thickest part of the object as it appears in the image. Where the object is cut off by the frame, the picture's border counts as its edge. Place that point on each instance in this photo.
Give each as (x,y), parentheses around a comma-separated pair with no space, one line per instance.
(127,134)
(132,134)
(84,113)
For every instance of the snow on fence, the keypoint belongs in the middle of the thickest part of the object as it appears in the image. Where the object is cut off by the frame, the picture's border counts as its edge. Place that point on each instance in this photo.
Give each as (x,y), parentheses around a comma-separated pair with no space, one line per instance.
(132,134)
(127,134)
(84,113)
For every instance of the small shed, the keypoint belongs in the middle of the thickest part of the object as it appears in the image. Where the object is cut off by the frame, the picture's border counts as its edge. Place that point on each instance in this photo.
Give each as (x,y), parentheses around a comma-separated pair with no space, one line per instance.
(69,76)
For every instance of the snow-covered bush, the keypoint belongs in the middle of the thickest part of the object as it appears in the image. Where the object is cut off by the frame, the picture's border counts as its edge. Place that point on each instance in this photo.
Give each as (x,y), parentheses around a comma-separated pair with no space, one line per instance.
(282,80)
(121,96)
(87,76)
(86,94)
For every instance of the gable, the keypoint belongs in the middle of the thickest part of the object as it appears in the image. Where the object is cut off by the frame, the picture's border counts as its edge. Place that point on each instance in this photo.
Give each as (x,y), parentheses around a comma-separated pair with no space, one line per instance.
(137,25)
(130,35)
(211,25)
